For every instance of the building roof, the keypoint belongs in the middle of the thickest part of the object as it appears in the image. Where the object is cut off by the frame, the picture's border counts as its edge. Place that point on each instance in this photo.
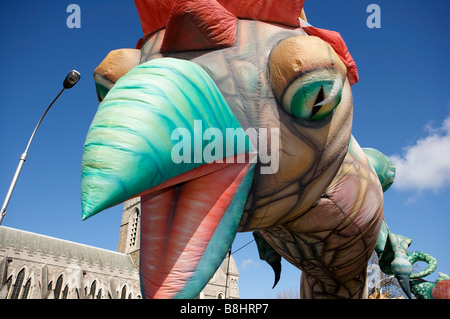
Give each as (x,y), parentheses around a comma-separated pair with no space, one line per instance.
(231,266)
(19,239)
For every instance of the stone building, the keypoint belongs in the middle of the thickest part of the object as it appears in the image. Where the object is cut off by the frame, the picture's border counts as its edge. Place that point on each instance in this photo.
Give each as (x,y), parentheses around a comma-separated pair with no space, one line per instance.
(34,266)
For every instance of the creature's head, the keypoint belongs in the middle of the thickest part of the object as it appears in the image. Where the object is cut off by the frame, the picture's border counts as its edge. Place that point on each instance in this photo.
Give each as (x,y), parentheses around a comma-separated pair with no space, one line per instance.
(231,109)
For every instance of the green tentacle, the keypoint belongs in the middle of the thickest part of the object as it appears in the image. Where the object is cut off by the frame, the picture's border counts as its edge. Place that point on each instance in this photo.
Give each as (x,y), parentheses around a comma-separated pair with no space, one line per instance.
(442,277)
(416,256)
(392,248)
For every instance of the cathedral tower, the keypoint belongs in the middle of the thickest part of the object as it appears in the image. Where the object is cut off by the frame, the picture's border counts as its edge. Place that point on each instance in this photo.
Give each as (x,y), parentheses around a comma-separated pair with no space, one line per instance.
(129,236)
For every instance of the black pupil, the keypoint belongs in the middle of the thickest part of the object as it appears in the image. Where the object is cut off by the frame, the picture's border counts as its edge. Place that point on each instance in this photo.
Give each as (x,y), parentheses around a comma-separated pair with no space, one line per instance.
(320,97)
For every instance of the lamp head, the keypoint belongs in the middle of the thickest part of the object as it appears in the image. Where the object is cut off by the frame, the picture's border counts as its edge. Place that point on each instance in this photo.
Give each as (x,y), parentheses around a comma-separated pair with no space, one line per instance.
(71,79)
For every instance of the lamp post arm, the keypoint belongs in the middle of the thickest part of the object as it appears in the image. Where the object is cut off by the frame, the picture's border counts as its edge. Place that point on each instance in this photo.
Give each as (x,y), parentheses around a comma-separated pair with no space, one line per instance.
(42,117)
(22,160)
(71,79)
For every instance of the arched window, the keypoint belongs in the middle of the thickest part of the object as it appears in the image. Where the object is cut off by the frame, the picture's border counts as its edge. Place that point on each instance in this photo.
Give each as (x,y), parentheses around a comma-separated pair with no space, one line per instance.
(58,286)
(220,295)
(8,285)
(99,294)
(124,292)
(26,289)
(93,287)
(65,292)
(134,227)
(18,284)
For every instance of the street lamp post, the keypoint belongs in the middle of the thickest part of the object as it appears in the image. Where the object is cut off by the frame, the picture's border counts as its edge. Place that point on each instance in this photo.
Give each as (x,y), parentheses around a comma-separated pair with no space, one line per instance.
(70,80)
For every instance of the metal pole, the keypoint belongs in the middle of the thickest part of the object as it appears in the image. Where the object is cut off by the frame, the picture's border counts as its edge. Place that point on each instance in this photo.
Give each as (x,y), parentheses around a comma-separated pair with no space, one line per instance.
(228,270)
(11,187)
(71,79)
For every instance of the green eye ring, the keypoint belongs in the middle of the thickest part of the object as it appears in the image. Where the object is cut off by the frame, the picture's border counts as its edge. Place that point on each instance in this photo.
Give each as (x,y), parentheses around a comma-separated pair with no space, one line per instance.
(313,96)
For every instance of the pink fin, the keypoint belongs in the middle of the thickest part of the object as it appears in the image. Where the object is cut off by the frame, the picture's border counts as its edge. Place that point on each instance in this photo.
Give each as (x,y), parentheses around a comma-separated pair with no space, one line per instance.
(178,223)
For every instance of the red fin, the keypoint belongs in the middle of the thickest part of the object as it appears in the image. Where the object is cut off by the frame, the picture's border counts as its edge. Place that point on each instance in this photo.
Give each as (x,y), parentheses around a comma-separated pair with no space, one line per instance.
(284,12)
(153,14)
(334,39)
(199,24)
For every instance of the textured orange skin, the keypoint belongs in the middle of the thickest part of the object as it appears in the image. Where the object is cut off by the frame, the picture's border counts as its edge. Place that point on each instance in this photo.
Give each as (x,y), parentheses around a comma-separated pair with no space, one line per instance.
(442,290)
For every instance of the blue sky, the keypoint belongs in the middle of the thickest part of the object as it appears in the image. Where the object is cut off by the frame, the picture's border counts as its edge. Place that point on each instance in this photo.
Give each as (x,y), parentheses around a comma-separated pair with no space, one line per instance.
(401,107)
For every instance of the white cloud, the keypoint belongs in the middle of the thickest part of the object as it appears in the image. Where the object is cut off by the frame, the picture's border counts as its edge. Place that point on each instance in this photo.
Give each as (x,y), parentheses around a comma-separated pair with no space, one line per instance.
(249,263)
(426,164)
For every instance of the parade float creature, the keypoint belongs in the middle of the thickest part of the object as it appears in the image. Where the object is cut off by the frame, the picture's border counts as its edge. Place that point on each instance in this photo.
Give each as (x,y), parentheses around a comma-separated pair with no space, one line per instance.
(440,289)
(235,116)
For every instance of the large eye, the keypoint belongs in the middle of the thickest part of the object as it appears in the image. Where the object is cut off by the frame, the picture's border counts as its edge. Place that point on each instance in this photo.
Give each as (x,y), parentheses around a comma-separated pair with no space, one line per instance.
(307,77)
(313,96)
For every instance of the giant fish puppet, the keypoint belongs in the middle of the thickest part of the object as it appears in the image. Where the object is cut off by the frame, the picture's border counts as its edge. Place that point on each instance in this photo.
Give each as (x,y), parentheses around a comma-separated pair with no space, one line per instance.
(234,116)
